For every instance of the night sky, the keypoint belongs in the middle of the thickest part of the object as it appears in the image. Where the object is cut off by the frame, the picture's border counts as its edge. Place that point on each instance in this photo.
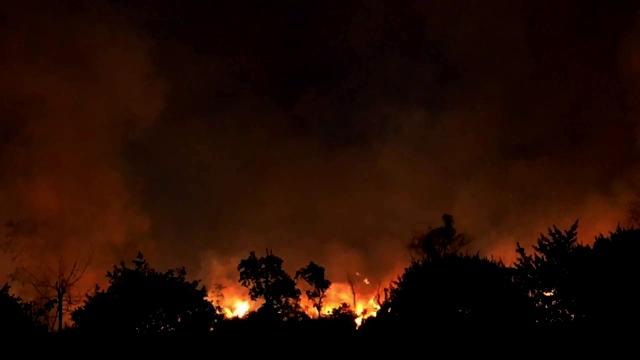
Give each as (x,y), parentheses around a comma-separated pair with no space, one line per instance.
(331,131)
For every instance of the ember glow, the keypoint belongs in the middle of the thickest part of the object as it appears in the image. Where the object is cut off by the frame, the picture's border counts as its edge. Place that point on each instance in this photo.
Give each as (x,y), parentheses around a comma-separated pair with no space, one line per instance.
(239,309)
(366,301)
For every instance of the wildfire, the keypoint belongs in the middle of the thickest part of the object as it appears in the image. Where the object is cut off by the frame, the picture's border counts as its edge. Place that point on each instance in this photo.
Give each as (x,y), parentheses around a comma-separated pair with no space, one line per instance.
(239,309)
(236,306)
(363,310)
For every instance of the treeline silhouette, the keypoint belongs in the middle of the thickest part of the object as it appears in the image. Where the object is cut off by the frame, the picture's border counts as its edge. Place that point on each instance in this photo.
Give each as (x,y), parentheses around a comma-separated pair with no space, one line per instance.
(559,286)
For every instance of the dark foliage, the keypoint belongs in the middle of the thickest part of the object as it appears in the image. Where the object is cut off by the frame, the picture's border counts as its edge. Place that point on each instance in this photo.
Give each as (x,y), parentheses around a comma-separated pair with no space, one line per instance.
(343,313)
(454,291)
(267,281)
(439,242)
(609,298)
(580,287)
(16,316)
(562,289)
(551,274)
(141,300)
(314,275)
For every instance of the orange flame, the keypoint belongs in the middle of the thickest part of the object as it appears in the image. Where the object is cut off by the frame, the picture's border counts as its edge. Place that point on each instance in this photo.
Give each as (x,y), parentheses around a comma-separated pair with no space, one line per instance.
(239,309)
(235,305)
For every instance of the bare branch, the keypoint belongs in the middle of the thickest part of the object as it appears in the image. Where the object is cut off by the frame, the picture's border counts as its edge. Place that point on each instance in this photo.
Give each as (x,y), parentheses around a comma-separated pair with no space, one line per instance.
(42,295)
(36,282)
(353,292)
(71,280)
(53,272)
(378,294)
(57,288)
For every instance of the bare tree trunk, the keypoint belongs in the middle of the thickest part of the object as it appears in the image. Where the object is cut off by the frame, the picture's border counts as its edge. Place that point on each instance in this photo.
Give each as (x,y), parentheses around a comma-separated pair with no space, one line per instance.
(353,292)
(60,294)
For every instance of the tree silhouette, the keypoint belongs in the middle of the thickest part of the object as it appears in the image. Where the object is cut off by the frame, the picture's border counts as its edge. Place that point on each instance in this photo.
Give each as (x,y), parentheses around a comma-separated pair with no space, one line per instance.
(551,274)
(15,315)
(341,317)
(54,285)
(144,301)
(439,242)
(454,291)
(54,289)
(443,295)
(314,275)
(266,280)
(343,312)
(610,297)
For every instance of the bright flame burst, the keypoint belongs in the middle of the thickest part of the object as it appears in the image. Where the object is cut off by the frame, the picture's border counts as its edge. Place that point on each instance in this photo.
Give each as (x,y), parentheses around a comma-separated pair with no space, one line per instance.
(339,293)
(239,309)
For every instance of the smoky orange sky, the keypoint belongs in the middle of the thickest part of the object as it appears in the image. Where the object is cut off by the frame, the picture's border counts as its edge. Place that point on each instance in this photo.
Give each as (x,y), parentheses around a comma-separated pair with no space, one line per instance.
(329,131)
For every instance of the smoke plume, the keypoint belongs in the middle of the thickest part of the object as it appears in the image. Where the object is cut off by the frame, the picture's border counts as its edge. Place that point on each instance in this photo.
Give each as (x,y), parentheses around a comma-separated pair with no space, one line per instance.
(77,86)
(327,131)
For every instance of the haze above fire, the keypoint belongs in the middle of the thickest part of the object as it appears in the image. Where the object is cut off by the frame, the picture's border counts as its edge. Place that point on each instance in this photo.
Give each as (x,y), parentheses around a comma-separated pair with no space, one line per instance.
(327,131)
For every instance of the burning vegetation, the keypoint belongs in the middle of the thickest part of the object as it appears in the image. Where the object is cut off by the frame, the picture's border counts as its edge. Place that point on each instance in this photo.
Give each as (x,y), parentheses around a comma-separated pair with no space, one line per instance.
(562,285)
(272,292)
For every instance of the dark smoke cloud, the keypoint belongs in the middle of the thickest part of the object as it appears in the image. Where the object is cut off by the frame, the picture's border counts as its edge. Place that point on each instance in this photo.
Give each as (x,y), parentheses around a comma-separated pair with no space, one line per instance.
(77,85)
(328,131)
